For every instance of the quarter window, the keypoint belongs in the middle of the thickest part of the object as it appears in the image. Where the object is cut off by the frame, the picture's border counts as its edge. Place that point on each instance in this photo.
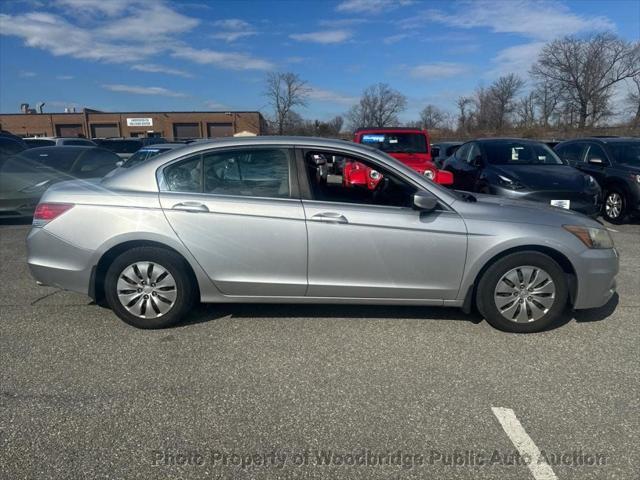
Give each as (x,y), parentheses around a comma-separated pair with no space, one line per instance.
(571,153)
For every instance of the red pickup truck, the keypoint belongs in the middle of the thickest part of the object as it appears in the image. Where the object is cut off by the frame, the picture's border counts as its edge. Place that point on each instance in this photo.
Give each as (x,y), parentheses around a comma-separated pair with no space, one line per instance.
(409,145)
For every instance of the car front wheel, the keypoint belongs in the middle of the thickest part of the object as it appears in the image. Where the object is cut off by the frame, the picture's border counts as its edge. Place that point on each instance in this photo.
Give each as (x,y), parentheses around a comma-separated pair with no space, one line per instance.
(615,206)
(523,292)
(149,287)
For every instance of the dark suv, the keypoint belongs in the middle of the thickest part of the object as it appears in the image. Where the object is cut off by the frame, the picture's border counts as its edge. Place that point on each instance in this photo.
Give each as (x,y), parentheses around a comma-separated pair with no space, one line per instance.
(615,163)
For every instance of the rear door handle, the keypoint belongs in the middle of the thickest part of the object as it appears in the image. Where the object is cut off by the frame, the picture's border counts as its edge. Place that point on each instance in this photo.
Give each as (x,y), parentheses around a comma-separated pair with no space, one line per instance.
(191,207)
(329,217)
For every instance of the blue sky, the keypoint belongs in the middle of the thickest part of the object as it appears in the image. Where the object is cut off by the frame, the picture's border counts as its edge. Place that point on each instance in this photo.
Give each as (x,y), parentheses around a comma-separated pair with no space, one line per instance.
(133,55)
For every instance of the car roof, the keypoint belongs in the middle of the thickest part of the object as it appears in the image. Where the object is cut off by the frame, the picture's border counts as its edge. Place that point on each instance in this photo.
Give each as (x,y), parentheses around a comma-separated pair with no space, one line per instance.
(65,148)
(506,139)
(164,145)
(602,140)
(390,130)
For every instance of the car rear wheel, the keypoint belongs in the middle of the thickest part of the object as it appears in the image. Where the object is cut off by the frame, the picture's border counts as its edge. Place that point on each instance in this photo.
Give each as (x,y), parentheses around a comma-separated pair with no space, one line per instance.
(614,209)
(523,292)
(149,287)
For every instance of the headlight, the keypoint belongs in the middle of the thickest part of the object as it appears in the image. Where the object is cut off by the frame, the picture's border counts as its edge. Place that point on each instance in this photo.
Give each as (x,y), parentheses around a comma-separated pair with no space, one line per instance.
(591,237)
(429,174)
(37,188)
(510,184)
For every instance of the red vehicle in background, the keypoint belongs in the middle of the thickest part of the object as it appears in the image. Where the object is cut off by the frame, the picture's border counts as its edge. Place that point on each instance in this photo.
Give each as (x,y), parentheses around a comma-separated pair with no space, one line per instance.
(408,145)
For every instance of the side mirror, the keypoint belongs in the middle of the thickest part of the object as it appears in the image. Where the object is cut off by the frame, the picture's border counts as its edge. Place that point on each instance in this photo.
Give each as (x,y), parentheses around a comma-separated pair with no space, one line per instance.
(444,177)
(424,201)
(319,160)
(596,161)
(120,163)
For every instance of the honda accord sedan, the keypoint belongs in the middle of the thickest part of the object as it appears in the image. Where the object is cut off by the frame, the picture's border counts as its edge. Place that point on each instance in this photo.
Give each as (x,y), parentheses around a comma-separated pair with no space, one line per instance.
(260,220)
(525,170)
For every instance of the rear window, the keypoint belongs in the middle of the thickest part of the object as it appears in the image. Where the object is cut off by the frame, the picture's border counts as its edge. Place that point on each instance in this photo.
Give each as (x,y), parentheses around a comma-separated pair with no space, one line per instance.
(58,158)
(96,162)
(143,155)
(121,146)
(396,142)
(34,143)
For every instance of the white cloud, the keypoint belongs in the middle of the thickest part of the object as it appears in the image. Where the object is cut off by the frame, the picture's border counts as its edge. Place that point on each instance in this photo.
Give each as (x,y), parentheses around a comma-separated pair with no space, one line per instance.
(143,90)
(230,60)
(323,37)
(232,29)
(537,19)
(213,105)
(329,96)
(154,68)
(65,77)
(27,74)
(391,39)
(516,59)
(436,70)
(132,32)
(371,6)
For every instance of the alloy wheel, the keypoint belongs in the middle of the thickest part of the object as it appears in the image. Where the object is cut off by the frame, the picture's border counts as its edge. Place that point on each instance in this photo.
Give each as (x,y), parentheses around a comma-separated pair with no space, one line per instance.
(146,289)
(613,205)
(524,294)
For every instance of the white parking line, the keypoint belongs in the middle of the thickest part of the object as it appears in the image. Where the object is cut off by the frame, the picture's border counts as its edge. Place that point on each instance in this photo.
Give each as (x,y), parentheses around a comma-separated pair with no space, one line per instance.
(540,469)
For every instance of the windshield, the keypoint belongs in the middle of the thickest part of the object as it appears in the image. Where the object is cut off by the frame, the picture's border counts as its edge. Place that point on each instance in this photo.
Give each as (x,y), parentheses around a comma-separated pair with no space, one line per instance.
(396,142)
(142,155)
(521,153)
(627,152)
(121,146)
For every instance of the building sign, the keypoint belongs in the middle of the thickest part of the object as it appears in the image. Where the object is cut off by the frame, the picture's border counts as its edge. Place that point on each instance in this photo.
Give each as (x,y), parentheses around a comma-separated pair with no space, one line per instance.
(139,122)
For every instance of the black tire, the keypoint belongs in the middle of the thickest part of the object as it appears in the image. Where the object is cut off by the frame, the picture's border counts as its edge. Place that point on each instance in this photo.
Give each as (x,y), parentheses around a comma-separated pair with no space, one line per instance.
(611,195)
(171,262)
(486,291)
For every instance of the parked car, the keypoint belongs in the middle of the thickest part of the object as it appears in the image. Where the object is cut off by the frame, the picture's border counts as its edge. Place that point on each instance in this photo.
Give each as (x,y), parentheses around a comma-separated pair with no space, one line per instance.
(34,142)
(256,220)
(409,145)
(443,150)
(123,147)
(525,170)
(10,144)
(25,176)
(615,163)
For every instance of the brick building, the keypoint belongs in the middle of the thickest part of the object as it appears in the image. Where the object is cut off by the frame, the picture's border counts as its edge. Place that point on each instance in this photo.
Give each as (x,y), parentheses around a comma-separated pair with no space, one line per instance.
(171,125)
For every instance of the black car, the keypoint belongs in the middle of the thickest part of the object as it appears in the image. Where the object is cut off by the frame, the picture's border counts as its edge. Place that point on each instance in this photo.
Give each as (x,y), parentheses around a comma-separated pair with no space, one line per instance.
(10,144)
(443,150)
(25,175)
(123,147)
(523,169)
(615,163)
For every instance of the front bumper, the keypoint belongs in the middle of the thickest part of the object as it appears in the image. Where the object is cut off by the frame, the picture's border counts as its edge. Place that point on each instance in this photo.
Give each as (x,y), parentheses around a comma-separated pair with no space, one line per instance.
(57,263)
(596,270)
(586,203)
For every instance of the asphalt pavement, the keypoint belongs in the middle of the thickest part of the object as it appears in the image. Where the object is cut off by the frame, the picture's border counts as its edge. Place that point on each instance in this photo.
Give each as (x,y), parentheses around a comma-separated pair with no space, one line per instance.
(286,391)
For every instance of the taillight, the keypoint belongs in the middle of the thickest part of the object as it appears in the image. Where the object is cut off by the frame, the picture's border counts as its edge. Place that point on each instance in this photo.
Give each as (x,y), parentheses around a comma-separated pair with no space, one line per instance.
(45,212)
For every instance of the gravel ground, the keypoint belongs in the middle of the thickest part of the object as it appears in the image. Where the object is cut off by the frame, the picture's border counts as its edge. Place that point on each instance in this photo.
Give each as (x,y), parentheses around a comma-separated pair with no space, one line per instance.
(83,395)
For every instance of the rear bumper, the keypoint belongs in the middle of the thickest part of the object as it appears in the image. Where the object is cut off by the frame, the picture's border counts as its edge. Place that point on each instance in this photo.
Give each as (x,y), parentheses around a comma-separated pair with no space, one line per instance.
(596,270)
(57,263)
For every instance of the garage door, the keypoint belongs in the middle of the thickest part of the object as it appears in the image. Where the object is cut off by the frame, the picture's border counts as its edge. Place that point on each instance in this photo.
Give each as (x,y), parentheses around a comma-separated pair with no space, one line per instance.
(186,130)
(105,130)
(220,129)
(69,130)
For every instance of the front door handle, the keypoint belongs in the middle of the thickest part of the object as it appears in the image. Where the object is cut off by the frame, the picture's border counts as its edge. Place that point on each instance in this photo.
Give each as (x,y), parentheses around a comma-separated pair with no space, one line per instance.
(329,217)
(191,207)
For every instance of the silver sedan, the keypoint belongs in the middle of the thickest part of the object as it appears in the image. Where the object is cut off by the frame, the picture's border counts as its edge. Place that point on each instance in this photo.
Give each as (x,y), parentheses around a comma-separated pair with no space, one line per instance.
(308,220)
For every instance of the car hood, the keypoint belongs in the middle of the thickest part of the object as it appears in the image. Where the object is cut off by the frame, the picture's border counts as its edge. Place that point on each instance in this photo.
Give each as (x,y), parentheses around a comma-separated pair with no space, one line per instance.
(501,209)
(544,177)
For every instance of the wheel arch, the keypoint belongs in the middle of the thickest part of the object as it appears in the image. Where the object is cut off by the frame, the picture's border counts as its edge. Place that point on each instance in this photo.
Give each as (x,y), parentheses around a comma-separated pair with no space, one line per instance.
(99,271)
(559,257)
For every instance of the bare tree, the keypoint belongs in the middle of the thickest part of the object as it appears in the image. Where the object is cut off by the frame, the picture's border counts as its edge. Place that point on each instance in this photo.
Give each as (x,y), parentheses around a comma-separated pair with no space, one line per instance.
(379,106)
(586,70)
(502,95)
(284,92)
(633,101)
(432,117)
(525,109)
(464,105)
(546,100)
